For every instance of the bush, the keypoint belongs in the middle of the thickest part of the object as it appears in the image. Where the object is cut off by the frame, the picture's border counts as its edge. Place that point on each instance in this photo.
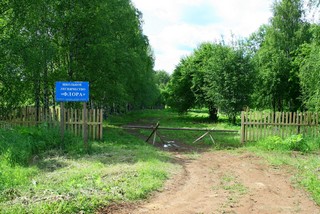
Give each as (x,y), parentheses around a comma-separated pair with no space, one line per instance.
(20,145)
(292,143)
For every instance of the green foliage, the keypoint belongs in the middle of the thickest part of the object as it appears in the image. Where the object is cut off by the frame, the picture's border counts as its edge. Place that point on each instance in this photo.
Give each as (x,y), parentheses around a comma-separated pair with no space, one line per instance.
(305,164)
(215,76)
(308,59)
(121,168)
(58,40)
(180,96)
(278,86)
(12,177)
(20,145)
(293,143)
(162,79)
(230,80)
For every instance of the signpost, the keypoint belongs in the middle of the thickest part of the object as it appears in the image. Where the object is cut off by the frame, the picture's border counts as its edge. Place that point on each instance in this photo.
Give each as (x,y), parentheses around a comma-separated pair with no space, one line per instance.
(73,92)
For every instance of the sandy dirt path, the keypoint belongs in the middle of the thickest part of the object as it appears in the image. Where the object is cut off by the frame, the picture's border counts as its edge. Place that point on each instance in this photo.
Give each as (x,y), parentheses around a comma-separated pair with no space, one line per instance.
(222,182)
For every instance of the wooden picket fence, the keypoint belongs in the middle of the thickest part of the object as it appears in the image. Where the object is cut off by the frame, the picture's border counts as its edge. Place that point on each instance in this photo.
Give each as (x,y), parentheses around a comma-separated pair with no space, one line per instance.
(27,116)
(258,125)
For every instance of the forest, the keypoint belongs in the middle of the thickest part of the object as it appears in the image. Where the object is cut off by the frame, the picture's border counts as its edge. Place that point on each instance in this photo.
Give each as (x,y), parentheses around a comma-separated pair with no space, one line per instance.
(61,40)
(102,42)
(276,68)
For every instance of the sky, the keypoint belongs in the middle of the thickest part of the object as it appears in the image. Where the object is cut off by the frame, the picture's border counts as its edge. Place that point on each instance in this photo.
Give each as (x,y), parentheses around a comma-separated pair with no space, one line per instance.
(176,27)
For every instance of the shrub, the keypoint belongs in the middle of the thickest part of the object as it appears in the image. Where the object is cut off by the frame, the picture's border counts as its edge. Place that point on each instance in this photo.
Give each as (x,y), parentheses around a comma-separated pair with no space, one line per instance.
(21,144)
(292,143)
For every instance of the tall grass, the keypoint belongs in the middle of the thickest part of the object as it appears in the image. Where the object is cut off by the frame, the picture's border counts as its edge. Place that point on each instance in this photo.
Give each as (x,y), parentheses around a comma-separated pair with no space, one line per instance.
(48,179)
(18,146)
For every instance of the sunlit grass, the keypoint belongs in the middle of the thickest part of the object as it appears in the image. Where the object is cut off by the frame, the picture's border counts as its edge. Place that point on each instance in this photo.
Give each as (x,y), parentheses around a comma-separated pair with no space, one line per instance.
(121,168)
(304,164)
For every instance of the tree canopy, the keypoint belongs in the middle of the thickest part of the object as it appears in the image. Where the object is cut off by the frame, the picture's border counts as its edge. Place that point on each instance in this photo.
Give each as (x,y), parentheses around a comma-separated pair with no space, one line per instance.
(216,76)
(275,68)
(57,40)
(102,42)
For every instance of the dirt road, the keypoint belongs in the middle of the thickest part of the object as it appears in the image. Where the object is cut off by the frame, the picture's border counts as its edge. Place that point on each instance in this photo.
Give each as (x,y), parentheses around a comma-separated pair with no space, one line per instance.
(221,182)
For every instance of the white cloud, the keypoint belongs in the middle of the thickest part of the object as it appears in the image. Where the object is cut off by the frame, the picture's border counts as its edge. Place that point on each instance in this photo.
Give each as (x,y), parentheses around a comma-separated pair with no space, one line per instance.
(173,36)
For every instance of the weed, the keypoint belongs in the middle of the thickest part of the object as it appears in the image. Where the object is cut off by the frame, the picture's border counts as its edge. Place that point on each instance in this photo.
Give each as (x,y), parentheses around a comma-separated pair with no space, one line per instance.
(292,143)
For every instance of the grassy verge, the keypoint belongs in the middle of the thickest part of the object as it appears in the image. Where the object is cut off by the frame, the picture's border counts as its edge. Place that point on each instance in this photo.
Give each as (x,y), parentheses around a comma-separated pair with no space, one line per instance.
(301,155)
(54,180)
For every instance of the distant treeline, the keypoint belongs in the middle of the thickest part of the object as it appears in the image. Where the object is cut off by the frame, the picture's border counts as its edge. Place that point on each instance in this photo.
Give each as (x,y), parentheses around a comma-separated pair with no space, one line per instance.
(277,68)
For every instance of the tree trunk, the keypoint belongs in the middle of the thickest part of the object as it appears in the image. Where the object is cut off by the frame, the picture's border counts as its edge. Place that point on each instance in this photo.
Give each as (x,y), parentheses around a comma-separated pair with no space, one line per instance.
(213,114)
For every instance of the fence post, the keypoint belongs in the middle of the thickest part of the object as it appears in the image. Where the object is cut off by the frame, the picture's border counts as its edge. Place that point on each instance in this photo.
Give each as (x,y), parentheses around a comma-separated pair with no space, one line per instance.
(101,124)
(85,126)
(243,132)
(62,121)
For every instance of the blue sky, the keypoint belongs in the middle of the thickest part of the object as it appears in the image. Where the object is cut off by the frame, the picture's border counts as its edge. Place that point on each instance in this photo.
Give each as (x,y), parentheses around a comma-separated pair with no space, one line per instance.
(176,27)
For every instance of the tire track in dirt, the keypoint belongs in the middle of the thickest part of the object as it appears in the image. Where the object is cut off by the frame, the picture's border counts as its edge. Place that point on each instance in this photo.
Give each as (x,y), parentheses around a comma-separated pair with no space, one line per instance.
(221,182)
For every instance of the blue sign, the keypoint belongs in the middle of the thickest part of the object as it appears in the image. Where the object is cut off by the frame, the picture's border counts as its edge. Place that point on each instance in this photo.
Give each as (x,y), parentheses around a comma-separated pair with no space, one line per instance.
(72,91)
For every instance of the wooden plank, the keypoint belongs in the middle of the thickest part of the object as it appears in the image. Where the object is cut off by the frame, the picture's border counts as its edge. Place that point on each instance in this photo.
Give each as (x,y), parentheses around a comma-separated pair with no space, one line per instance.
(260,125)
(248,134)
(317,124)
(271,122)
(290,122)
(94,126)
(265,126)
(252,126)
(297,124)
(201,137)
(101,124)
(274,120)
(154,137)
(256,126)
(246,126)
(179,129)
(62,122)
(282,125)
(313,124)
(85,127)
(242,127)
(76,125)
(153,131)
(71,120)
(278,121)
(286,128)
(294,123)
(80,125)
(306,121)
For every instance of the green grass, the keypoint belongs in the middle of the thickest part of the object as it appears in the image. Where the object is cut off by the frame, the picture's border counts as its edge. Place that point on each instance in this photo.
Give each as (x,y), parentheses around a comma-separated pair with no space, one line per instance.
(120,168)
(299,154)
